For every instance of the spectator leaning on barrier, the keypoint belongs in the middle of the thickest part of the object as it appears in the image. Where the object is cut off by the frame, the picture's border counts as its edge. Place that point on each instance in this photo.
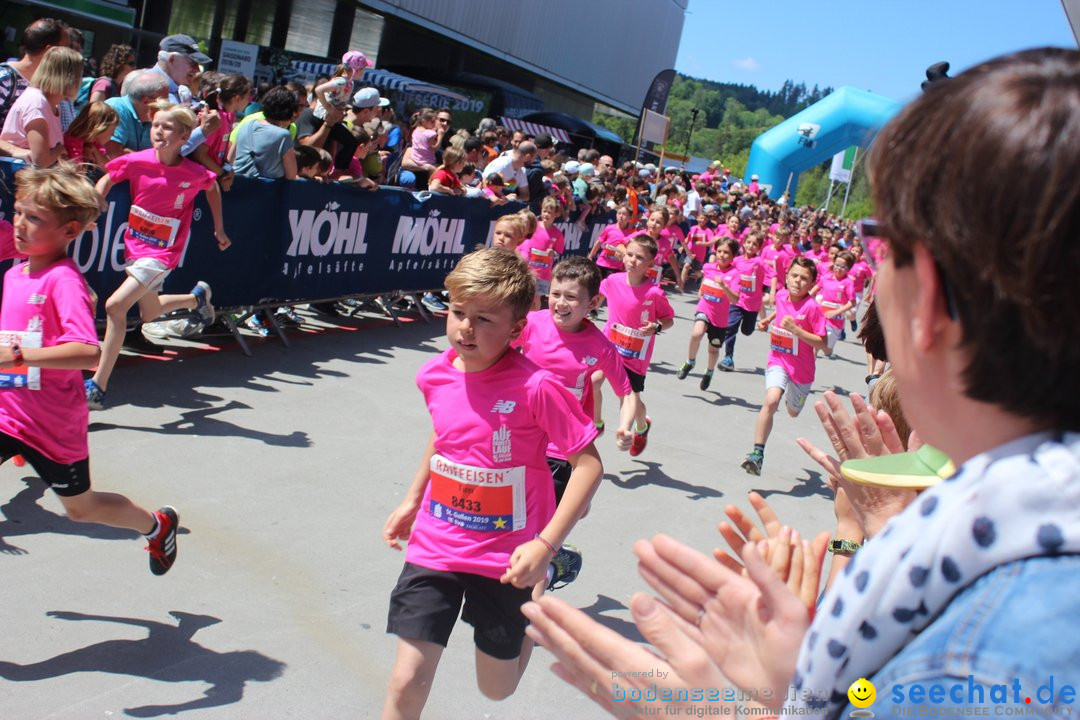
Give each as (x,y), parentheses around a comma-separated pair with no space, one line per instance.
(135,111)
(511,167)
(38,37)
(33,123)
(534,171)
(264,148)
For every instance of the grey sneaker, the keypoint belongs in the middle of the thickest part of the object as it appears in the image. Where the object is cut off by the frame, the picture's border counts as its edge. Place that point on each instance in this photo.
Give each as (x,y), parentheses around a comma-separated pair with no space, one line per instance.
(203,310)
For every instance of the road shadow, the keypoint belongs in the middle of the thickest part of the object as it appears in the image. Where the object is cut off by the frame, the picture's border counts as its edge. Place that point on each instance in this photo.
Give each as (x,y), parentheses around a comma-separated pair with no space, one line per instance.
(813,485)
(167,654)
(650,474)
(603,605)
(719,399)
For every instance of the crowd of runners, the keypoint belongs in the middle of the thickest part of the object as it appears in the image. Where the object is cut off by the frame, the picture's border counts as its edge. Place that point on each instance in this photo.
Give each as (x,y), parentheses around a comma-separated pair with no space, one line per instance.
(966,292)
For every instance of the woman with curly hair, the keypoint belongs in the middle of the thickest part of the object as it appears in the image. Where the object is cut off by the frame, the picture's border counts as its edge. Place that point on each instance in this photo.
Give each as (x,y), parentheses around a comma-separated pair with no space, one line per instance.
(117,63)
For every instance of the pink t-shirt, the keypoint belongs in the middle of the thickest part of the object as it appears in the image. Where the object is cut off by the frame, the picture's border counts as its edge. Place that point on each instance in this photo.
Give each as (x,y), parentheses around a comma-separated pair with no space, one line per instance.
(218,141)
(572,358)
(776,263)
(697,236)
(611,238)
(677,237)
(490,488)
(162,200)
(541,250)
(629,308)
(423,148)
(31,105)
(665,245)
(751,282)
(835,293)
(791,352)
(47,308)
(714,302)
(860,275)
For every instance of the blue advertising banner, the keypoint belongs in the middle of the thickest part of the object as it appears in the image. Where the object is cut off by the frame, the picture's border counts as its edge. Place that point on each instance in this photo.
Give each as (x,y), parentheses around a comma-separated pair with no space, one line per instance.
(300,241)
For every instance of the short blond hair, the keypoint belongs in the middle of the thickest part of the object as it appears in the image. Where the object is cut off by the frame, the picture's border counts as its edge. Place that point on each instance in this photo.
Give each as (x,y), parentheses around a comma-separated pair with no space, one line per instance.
(182,114)
(886,396)
(496,274)
(62,190)
(530,221)
(517,223)
(60,72)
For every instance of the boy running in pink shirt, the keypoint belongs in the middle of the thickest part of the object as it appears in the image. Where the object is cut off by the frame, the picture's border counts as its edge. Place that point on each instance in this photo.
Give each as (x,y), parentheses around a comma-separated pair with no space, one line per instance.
(638,310)
(698,244)
(47,337)
(544,246)
(164,186)
(743,313)
(480,515)
(796,330)
(835,293)
(718,290)
(608,248)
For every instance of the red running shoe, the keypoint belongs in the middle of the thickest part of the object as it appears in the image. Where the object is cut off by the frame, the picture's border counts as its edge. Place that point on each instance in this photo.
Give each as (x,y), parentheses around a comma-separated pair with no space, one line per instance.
(163,547)
(637,445)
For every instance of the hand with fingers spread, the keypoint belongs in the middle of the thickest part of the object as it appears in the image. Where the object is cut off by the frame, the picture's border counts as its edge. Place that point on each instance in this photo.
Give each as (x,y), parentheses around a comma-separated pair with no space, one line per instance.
(750,626)
(608,667)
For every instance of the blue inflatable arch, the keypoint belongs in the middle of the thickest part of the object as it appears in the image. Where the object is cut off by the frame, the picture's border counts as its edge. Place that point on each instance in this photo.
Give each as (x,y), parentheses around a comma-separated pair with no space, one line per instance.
(844,118)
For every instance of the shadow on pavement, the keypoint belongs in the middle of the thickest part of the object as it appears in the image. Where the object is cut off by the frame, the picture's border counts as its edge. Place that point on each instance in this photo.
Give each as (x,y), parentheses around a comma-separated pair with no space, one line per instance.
(813,485)
(167,654)
(651,474)
(605,604)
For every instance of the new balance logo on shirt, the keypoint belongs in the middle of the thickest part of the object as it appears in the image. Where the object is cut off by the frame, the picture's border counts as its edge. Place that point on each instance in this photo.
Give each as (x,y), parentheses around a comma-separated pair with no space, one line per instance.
(504,407)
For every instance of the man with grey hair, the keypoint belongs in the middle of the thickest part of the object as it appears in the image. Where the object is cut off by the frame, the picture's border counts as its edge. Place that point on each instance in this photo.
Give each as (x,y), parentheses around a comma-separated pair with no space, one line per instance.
(179,58)
(511,166)
(133,131)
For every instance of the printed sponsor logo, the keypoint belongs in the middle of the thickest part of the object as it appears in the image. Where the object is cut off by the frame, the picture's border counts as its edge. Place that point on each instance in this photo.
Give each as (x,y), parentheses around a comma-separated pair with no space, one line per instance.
(327,232)
(504,407)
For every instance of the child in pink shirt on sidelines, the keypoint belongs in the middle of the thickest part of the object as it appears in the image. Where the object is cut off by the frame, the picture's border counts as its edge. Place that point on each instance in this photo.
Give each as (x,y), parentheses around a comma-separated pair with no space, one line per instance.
(835,293)
(480,515)
(85,139)
(743,314)
(47,337)
(164,186)
(796,330)
(698,243)
(547,243)
(719,288)
(638,310)
(563,341)
(608,248)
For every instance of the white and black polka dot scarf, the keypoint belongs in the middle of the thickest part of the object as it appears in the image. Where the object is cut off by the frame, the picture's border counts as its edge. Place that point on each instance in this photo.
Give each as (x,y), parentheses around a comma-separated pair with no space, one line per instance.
(1018,501)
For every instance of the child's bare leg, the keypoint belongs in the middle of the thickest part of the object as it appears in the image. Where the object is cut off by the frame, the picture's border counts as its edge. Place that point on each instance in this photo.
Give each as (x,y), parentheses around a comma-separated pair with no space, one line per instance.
(639,415)
(108,509)
(498,679)
(695,340)
(153,306)
(714,356)
(763,426)
(410,680)
(116,310)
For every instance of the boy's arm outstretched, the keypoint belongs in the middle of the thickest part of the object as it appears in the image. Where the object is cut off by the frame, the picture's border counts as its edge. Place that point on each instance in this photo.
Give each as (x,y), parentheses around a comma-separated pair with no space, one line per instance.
(213,199)
(399,524)
(530,560)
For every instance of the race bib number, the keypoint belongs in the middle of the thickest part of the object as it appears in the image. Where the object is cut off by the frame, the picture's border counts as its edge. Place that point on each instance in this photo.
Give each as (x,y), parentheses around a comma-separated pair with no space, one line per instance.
(782,341)
(629,343)
(712,291)
(748,284)
(24,377)
(653,274)
(155,230)
(609,253)
(541,259)
(831,305)
(476,498)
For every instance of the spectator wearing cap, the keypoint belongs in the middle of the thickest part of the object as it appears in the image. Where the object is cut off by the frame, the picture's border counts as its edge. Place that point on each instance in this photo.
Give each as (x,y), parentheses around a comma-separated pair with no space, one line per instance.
(511,167)
(586,172)
(135,110)
(178,61)
(38,37)
(534,171)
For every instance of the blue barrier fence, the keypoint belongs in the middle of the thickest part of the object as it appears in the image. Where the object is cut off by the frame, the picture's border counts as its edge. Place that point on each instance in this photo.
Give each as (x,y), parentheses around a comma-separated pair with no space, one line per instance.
(299,241)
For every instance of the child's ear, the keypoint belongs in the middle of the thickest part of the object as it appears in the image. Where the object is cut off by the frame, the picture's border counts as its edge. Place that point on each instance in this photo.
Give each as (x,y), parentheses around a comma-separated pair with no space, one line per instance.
(73,229)
(594,301)
(518,327)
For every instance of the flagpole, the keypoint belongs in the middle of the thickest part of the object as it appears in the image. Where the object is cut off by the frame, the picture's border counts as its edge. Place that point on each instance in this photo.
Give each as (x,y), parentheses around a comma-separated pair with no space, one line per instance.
(851,181)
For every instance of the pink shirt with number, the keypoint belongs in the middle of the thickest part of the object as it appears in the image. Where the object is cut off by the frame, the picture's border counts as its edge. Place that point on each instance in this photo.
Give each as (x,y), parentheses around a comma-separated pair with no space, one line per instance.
(751,282)
(540,250)
(788,351)
(697,236)
(611,238)
(629,308)
(572,357)
(162,201)
(46,409)
(834,293)
(714,302)
(490,488)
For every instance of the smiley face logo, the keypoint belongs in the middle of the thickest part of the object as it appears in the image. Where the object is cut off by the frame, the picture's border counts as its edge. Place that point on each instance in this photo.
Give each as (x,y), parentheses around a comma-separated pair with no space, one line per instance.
(862,693)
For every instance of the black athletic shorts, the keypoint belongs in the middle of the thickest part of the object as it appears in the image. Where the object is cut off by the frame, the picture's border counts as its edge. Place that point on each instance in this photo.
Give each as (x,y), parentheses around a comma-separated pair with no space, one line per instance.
(637,382)
(67,480)
(560,475)
(715,334)
(425,605)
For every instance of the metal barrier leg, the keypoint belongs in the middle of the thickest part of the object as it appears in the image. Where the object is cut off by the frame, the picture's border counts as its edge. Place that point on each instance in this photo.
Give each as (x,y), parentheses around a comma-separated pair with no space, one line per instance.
(420,308)
(231,324)
(269,318)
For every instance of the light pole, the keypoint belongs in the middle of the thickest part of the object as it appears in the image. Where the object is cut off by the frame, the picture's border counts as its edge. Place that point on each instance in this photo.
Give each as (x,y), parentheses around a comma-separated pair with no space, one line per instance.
(690,134)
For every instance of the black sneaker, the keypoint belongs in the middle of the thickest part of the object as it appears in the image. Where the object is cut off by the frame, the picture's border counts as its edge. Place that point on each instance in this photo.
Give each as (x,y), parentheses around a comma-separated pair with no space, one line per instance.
(685,370)
(706,379)
(753,462)
(567,565)
(163,547)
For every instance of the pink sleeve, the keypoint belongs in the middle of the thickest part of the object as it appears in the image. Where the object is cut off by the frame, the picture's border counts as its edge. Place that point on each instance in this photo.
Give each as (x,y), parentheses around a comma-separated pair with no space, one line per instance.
(100,85)
(7,241)
(815,318)
(663,307)
(118,168)
(560,416)
(560,241)
(71,298)
(615,371)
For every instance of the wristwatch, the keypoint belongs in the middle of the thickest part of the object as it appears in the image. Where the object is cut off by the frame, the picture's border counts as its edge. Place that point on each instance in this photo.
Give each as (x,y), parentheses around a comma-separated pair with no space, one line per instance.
(843,547)
(17,356)
(659,327)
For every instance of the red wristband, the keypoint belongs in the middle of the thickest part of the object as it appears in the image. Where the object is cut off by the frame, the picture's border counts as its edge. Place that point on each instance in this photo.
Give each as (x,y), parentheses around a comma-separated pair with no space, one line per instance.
(550,547)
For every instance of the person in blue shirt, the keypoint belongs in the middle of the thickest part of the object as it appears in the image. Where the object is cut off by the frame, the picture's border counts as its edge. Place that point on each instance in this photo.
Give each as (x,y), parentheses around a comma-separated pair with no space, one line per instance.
(135,110)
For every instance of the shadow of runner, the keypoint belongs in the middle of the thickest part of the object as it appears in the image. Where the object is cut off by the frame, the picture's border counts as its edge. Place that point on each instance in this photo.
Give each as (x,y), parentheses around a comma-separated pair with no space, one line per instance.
(605,604)
(202,422)
(167,655)
(651,474)
(813,485)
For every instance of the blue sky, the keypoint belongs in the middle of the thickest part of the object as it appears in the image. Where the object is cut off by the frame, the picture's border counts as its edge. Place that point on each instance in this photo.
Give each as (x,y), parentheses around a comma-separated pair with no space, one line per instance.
(883,46)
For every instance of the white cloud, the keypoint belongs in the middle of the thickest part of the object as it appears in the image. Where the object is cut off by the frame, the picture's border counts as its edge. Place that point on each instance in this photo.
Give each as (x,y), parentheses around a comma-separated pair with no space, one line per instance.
(748,64)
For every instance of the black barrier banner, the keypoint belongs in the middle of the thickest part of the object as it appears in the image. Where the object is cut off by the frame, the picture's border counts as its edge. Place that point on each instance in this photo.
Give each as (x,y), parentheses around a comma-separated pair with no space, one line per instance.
(299,240)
